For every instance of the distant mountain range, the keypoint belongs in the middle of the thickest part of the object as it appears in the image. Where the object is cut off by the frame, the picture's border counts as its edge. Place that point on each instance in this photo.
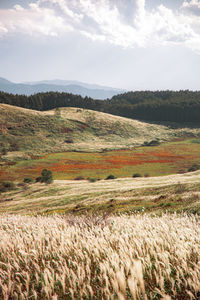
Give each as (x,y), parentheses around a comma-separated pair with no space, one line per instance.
(75,87)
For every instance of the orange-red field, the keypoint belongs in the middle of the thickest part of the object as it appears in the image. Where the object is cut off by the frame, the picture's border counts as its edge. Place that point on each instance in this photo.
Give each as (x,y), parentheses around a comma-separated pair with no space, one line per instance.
(160,160)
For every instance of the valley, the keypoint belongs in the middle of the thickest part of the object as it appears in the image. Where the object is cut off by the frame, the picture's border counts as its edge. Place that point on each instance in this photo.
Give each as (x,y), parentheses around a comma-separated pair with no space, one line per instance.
(149,161)
(166,158)
(99,150)
(129,185)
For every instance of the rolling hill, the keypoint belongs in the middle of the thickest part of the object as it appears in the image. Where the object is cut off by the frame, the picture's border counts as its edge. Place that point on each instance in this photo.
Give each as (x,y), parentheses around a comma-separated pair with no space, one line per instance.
(78,130)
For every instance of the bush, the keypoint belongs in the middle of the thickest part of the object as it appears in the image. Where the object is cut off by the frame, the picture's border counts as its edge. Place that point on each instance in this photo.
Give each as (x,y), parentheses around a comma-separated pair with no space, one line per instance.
(111,177)
(4,151)
(6,186)
(146,175)
(38,179)
(79,178)
(28,180)
(137,175)
(21,184)
(69,141)
(193,168)
(92,179)
(151,143)
(47,176)
(181,171)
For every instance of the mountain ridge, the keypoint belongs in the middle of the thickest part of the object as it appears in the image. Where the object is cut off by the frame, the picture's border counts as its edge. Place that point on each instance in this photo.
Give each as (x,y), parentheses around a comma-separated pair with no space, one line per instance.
(73,82)
(57,85)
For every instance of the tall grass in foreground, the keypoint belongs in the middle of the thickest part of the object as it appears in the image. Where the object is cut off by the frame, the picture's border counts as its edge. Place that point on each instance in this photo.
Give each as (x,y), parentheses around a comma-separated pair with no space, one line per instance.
(125,257)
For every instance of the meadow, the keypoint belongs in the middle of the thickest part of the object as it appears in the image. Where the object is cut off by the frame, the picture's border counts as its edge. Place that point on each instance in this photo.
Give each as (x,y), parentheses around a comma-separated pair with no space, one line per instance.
(84,237)
(172,193)
(118,257)
(166,158)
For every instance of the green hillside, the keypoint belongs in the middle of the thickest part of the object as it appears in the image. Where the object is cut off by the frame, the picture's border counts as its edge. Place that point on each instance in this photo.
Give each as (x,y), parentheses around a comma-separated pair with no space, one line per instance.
(34,132)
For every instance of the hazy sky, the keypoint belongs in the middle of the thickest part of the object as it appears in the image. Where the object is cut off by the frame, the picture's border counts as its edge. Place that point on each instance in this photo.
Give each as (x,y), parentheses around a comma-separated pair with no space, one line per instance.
(130,44)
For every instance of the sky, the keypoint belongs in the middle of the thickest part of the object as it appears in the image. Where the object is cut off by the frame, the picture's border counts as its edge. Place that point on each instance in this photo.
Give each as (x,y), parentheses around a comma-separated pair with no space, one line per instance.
(128,44)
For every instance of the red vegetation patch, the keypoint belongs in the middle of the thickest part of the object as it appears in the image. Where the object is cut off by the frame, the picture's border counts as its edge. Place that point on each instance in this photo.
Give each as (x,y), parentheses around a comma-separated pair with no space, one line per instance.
(174,157)
(142,158)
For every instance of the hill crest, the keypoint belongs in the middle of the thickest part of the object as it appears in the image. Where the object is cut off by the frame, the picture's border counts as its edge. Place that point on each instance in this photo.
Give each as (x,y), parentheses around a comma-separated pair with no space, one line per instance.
(77,129)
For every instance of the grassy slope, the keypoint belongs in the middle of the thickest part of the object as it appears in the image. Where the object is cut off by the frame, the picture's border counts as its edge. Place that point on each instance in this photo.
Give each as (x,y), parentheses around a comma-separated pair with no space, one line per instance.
(37,132)
(155,194)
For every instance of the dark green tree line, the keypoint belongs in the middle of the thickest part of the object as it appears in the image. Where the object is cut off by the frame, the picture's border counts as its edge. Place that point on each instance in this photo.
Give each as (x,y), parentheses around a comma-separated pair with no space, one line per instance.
(173,106)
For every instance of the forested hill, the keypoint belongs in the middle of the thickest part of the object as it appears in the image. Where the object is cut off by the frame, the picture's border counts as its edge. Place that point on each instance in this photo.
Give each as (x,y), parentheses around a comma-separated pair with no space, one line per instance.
(180,106)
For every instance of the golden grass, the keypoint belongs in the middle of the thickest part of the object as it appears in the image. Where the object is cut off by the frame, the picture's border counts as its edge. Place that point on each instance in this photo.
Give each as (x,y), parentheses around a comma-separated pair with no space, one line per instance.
(124,257)
(63,196)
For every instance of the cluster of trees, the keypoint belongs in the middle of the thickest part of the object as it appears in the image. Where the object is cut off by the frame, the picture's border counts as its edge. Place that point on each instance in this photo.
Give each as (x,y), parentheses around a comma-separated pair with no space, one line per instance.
(173,106)
(46,177)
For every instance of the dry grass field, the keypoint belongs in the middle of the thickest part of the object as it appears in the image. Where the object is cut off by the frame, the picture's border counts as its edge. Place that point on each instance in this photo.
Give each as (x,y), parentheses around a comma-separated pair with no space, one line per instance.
(179,192)
(121,257)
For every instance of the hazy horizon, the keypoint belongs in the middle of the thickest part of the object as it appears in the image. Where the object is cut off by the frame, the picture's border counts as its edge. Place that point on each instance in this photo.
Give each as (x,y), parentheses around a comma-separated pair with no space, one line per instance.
(129,44)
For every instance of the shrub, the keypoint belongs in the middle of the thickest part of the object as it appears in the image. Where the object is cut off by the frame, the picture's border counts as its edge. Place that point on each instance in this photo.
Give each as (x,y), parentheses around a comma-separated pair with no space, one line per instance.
(92,179)
(137,175)
(181,171)
(47,176)
(21,184)
(146,175)
(6,186)
(28,180)
(69,141)
(193,168)
(38,179)
(79,178)
(151,143)
(4,151)
(154,143)
(111,177)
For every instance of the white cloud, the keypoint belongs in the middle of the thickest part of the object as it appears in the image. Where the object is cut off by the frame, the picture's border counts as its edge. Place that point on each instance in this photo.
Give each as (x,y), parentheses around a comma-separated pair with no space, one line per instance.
(125,23)
(192,6)
(33,21)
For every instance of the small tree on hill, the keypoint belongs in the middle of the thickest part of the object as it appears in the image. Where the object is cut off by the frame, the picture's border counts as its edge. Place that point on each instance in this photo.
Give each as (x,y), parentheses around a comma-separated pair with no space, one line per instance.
(46,177)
